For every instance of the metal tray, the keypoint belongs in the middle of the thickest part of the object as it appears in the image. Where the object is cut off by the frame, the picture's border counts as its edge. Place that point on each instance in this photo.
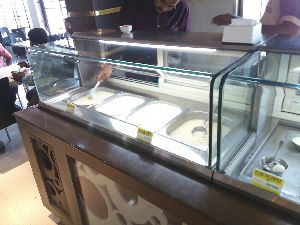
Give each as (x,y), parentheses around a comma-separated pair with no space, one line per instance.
(92,102)
(288,152)
(183,118)
(122,111)
(150,117)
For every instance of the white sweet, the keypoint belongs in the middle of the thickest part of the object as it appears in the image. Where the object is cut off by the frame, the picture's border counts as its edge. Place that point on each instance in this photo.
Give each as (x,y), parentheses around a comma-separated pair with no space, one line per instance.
(88,100)
(278,168)
(184,133)
(120,105)
(154,115)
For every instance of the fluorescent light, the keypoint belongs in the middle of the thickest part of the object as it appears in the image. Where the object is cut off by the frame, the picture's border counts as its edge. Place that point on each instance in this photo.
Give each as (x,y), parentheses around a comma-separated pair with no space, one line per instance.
(159,46)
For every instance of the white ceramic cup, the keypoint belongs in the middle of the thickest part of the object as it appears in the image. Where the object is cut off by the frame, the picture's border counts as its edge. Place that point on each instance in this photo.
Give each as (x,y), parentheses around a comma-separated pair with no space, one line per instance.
(126,28)
(127,35)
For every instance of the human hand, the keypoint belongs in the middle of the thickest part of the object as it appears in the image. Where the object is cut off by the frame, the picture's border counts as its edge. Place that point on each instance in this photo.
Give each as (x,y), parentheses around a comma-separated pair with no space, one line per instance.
(104,72)
(18,75)
(223,19)
(24,70)
(23,64)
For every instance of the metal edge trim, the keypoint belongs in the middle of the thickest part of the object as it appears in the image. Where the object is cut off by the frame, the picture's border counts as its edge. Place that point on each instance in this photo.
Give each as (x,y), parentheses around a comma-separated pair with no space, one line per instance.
(95,13)
(255,193)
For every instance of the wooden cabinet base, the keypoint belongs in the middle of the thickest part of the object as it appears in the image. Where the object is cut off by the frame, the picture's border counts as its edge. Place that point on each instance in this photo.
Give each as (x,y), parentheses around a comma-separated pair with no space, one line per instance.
(86,178)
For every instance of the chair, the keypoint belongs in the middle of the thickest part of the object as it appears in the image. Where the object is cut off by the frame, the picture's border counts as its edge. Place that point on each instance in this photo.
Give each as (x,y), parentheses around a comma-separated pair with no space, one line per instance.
(4,36)
(20,33)
(20,52)
(7,105)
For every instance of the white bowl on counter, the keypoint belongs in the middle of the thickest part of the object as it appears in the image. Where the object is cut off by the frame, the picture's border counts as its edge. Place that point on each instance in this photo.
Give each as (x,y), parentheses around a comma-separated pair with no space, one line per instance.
(126,28)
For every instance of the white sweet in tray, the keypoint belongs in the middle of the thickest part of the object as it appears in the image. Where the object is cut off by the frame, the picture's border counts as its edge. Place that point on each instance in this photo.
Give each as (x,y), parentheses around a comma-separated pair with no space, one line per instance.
(278,168)
(97,97)
(184,133)
(154,115)
(120,105)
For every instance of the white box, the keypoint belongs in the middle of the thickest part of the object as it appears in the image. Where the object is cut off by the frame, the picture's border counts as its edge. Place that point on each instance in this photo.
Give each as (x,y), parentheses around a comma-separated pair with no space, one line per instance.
(242,34)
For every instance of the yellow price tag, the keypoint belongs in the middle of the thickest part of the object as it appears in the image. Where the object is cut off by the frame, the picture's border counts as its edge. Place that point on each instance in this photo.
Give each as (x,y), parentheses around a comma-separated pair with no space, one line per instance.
(144,135)
(71,107)
(267,181)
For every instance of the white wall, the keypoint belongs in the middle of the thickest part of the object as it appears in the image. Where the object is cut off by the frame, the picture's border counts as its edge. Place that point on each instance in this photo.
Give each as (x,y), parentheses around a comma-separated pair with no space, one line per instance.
(254,9)
(202,11)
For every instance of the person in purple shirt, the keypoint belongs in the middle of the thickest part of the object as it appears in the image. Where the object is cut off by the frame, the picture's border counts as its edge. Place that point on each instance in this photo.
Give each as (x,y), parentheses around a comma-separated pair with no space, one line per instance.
(282,16)
(156,15)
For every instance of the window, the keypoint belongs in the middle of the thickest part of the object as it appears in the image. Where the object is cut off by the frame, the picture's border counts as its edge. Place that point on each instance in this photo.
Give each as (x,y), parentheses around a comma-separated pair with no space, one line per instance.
(54,12)
(15,14)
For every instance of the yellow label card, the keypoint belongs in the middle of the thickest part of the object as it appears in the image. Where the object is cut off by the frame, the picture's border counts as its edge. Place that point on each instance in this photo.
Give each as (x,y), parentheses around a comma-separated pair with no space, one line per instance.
(267,181)
(144,135)
(71,107)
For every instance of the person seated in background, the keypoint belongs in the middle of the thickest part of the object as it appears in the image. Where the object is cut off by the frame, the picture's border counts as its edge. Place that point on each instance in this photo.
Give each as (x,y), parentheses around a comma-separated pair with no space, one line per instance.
(8,58)
(281,16)
(7,105)
(38,36)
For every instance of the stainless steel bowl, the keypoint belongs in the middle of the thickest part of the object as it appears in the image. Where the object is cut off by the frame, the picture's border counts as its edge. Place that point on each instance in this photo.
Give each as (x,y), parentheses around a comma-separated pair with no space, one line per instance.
(268,163)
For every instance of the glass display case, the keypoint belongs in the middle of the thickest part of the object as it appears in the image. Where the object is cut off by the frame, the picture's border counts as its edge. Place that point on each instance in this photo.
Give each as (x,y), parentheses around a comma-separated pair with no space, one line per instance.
(161,97)
(233,110)
(267,152)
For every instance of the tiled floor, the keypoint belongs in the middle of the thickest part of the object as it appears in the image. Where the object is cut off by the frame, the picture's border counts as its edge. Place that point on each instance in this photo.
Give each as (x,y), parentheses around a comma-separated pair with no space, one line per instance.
(20,202)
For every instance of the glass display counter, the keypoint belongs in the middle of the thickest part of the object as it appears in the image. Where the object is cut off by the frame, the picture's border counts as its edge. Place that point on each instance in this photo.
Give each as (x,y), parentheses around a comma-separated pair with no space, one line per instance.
(180,120)
(266,154)
(161,96)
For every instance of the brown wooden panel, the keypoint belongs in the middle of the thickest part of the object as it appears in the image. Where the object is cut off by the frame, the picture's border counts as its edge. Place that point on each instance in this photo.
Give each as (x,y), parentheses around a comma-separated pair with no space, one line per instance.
(79,5)
(105,4)
(109,21)
(35,162)
(80,24)
(89,15)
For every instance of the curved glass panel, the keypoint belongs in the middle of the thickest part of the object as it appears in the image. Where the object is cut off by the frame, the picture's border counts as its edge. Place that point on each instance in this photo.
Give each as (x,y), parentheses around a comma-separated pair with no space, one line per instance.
(267,136)
(163,91)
